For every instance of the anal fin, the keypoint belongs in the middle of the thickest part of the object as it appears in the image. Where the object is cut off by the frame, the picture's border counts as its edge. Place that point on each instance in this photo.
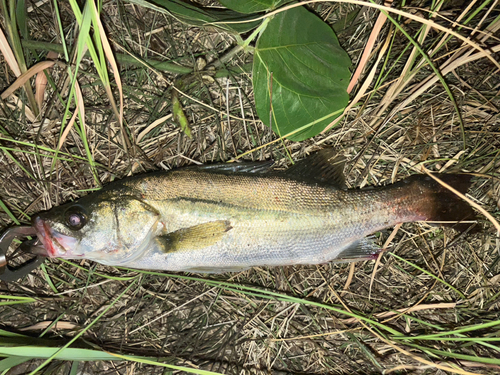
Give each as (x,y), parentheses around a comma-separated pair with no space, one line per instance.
(217,269)
(364,249)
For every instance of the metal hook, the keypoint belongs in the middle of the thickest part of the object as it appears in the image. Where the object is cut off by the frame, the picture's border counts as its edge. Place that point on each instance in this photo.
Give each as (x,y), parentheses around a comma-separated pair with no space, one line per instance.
(8,273)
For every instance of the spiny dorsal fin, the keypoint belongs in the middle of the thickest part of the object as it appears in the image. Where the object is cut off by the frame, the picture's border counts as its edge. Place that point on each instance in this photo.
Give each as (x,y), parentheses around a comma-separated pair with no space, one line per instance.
(195,237)
(253,167)
(324,166)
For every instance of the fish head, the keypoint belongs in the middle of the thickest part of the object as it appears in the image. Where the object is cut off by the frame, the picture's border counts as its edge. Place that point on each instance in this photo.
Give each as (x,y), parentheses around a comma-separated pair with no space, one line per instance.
(112,231)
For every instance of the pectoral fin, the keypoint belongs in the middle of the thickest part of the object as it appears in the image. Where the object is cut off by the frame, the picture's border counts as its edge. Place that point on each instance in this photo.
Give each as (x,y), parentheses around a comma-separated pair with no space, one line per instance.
(196,237)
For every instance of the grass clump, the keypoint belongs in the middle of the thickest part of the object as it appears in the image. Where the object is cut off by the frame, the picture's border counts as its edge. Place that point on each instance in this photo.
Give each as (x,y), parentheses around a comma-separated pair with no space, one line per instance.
(102,110)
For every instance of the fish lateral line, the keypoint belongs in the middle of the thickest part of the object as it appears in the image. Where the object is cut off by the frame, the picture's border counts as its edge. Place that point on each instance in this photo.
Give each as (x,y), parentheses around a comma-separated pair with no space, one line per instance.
(236,206)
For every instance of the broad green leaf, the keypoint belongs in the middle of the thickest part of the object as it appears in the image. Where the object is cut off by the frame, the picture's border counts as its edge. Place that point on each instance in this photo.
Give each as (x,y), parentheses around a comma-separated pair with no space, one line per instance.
(200,16)
(252,6)
(300,67)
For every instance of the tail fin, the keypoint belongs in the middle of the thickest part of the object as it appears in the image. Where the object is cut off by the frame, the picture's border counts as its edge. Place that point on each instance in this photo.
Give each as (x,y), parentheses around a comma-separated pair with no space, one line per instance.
(442,205)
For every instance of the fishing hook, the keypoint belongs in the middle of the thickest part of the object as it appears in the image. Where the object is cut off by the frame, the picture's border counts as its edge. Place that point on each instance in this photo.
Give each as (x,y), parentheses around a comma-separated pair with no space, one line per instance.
(9,273)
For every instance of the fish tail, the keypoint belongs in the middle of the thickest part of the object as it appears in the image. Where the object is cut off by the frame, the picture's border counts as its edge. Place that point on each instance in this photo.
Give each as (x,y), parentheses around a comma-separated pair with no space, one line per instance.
(438,204)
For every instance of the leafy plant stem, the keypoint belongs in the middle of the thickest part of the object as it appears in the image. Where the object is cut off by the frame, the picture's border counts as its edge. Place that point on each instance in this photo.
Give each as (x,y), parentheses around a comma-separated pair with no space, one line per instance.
(135,61)
(259,30)
(228,56)
(306,126)
(121,58)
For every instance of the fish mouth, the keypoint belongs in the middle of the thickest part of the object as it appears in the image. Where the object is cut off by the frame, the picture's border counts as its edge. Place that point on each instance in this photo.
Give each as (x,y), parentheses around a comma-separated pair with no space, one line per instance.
(50,239)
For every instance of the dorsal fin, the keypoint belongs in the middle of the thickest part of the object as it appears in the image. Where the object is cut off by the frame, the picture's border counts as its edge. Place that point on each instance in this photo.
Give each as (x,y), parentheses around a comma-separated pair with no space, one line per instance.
(254,167)
(324,166)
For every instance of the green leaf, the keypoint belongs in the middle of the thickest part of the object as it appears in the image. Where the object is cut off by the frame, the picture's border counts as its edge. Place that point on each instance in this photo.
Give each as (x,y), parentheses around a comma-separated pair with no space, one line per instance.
(252,6)
(21,349)
(74,368)
(169,366)
(21,18)
(179,115)
(5,333)
(68,354)
(200,16)
(300,67)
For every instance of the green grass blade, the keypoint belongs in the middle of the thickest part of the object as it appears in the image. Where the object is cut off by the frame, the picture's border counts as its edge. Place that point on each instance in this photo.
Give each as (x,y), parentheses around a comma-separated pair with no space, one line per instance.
(61,31)
(465,357)
(439,336)
(49,353)
(74,368)
(433,67)
(9,213)
(48,279)
(173,367)
(11,361)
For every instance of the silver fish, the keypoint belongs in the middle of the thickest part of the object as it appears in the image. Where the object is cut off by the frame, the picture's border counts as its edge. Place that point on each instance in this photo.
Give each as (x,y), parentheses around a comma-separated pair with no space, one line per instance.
(231,217)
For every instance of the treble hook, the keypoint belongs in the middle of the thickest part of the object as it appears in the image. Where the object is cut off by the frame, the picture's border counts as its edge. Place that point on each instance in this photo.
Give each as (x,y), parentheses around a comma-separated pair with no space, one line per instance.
(8,273)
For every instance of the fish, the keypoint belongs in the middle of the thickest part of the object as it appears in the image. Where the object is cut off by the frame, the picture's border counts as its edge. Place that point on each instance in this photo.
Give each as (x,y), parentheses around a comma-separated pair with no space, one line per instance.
(233,216)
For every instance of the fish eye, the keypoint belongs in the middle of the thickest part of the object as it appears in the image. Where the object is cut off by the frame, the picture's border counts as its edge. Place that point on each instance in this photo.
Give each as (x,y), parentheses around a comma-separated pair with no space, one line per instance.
(75,218)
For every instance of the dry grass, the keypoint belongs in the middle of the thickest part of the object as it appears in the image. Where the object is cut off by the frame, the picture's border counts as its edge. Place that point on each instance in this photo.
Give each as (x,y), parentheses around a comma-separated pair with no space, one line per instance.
(203,326)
